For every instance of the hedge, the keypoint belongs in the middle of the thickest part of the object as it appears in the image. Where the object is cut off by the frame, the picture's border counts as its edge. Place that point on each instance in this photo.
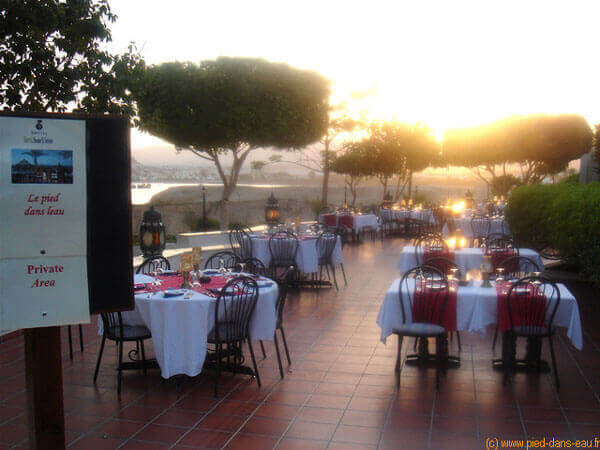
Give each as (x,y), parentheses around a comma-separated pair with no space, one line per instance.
(565,216)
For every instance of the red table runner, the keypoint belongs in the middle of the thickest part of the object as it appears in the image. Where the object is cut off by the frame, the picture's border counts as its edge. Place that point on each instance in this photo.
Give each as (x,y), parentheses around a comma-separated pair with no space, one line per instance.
(347,221)
(499,257)
(174,282)
(528,307)
(330,220)
(428,301)
(429,253)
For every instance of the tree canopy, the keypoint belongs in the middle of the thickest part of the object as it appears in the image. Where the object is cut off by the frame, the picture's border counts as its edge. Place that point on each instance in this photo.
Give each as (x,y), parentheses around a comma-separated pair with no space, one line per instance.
(231,106)
(354,163)
(541,144)
(52,58)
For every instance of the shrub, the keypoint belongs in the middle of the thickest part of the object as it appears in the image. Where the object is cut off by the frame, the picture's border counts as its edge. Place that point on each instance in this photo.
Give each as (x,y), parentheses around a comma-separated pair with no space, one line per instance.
(209,225)
(565,215)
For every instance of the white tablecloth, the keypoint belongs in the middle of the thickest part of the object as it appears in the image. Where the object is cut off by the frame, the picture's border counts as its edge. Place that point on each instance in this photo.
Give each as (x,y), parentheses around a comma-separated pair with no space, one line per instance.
(425,215)
(180,327)
(464,223)
(307,260)
(360,221)
(466,258)
(476,308)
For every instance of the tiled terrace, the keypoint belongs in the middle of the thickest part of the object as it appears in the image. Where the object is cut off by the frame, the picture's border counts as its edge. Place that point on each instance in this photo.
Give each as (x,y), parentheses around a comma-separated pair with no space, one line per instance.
(340,392)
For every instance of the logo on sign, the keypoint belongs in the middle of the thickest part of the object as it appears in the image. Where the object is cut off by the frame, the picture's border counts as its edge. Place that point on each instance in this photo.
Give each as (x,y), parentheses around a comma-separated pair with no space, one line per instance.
(38,125)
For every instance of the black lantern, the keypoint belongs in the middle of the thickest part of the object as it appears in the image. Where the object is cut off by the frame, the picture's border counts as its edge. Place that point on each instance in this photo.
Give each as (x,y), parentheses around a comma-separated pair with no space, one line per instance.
(387,201)
(152,233)
(272,211)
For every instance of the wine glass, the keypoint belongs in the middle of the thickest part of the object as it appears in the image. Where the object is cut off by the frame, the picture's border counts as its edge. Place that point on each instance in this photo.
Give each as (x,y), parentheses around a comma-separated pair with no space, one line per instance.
(242,265)
(222,265)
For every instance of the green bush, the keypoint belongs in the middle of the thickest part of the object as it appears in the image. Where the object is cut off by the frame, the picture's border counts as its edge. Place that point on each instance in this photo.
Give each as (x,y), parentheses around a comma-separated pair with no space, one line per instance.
(565,215)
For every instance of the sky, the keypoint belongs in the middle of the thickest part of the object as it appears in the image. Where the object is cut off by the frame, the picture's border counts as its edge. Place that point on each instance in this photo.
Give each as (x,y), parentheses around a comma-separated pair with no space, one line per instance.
(49,157)
(449,64)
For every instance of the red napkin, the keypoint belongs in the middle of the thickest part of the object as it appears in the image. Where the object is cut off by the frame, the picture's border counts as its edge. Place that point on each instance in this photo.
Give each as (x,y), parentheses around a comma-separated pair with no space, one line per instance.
(427,304)
(429,253)
(528,309)
(347,221)
(175,281)
(330,220)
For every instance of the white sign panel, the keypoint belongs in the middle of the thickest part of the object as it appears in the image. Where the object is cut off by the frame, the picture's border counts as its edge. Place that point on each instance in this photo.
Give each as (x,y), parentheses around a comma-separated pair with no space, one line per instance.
(43,229)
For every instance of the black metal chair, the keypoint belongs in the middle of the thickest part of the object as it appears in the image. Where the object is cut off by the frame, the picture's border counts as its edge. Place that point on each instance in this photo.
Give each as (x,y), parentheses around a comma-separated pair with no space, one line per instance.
(480,227)
(325,246)
(153,263)
(283,247)
(233,310)
(115,330)
(429,316)
(283,290)
(516,267)
(229,260)
(71,340)
(531,304)
(239,239)
(430,246)
(254,266)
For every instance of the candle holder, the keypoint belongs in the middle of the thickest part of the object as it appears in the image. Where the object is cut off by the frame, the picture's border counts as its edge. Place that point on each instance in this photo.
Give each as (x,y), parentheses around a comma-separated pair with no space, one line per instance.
(196,257)
(486,270)
(186,266)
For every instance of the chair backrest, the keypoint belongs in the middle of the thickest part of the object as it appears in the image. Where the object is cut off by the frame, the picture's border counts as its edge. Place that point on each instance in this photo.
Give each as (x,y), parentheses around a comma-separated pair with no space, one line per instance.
(493,236)
(284,285)
(230,260)
(427,307)
(430,246)
(325,246)
(532,302)
(153,263)
(112,324)
(444,265)
(239,239)
(519,267)
(233,310)
(254,266)
(500,243)
(480,226)
(283,247)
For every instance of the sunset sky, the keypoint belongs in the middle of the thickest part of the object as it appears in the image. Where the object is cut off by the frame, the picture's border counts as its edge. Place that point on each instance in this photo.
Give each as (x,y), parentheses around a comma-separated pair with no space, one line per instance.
(448,64)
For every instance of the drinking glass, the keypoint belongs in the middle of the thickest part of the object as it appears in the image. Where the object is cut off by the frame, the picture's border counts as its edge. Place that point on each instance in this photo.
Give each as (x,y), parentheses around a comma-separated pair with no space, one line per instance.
(500,271)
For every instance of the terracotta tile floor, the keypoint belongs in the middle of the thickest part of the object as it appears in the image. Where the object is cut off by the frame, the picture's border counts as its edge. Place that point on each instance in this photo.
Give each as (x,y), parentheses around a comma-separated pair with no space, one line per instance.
(339,393)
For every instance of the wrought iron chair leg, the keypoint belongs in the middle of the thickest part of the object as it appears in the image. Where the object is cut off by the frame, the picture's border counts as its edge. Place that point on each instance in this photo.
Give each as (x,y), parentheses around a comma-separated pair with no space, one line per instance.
(217,367)
(344,274)
(495,338)
(99,358)
(120,369)
(70,341)
(554,362)
(415,344)
(327,269)
(398,360)
(254,362)
(262,347)
(334,279)
(80,338)
(278,355)
(285,346)
(143,357)
(458,340)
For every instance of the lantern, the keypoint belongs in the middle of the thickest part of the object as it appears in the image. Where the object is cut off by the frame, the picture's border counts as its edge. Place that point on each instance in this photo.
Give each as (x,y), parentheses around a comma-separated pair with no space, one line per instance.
(461,241)
(272,211)
(152,233)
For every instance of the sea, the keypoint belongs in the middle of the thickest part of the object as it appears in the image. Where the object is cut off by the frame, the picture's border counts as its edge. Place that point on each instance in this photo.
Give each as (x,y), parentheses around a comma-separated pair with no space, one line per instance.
(141,196)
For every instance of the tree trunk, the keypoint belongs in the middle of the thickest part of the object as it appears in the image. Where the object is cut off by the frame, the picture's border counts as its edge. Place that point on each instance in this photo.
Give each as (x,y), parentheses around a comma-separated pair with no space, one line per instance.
(324,193)
(353,192)
(384,183)
(410,183)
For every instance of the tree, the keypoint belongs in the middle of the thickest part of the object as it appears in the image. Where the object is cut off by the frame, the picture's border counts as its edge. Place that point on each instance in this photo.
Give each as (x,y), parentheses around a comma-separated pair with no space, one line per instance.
(354,164)
(52,58)
(540,145)
(231,106)
(35,154)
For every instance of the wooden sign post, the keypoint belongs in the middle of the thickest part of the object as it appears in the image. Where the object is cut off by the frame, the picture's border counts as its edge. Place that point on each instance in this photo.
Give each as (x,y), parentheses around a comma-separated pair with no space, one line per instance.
(65,230)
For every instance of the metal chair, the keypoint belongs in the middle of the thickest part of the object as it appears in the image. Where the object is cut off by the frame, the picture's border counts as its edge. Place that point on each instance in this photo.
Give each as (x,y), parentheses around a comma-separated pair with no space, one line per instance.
(233,310)
(283,247)
(115,330)
(71,340)
(480,227)
(254,266)
(153,263)
(325,245)
(430,246)
(239,239)
(283,290)
(428,321)
(531,305)
(229,260)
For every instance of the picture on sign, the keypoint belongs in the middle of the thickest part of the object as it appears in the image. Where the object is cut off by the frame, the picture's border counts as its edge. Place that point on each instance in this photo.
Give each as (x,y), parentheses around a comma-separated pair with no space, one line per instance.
(29,166)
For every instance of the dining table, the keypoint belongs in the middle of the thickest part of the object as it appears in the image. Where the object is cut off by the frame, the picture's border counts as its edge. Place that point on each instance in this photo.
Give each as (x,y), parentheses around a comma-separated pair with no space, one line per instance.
(307,258)
(498,225)
(468,258)
(180,320)
(476,309)
(354,222)
(424,215)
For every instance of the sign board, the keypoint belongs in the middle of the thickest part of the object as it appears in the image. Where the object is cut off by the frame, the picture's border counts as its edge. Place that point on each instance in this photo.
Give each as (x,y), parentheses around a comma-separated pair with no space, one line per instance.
(65,227)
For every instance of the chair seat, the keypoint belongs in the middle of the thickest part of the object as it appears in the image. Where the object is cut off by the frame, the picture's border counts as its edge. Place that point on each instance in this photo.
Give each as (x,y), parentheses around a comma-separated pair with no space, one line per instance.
(224,329)
(130,333)
(419,329)
(540,331)
(282,262)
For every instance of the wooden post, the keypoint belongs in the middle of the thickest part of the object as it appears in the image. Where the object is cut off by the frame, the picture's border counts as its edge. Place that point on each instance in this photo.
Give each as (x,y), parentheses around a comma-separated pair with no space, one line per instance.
(43,372)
